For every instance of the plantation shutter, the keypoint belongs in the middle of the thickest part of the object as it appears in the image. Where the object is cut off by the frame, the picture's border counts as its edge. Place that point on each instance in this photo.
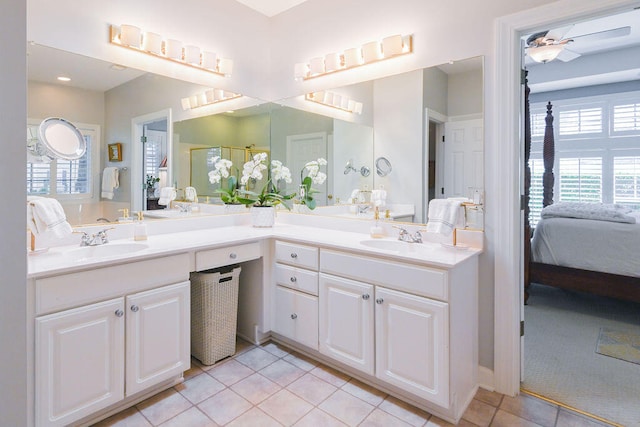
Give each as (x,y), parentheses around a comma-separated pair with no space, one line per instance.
(626,118)
(626,181)
(535,191)
(580,179)
(580,121)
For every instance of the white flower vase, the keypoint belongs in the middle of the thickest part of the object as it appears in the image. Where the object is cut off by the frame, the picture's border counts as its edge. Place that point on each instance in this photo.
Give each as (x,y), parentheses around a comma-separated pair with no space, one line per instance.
(263,216)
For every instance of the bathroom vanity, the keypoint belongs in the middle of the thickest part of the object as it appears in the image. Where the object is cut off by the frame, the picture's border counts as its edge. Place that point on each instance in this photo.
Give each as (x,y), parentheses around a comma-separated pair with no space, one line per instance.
(112,329)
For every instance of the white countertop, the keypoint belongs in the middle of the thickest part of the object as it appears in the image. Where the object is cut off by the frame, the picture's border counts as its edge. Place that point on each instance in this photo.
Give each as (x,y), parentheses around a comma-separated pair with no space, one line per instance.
(56,261)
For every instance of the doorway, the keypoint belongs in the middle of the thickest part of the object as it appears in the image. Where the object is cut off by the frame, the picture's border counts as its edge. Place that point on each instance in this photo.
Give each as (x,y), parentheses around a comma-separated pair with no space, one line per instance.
(151,156)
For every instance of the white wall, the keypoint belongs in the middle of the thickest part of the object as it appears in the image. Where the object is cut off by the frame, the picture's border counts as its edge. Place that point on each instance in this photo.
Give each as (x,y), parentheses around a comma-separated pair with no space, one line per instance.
(17,348)
(351,141)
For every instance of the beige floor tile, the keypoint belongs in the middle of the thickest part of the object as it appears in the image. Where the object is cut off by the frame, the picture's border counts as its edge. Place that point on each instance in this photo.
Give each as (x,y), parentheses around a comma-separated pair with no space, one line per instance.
(275,349)
(531,408)
(255,388)
(230,372)
(256,358)
(281,372)
(567,418)
(479,413)
(380,418)
(330,375)
(254,418)
(318,418)
(312,389)
(285,407)
(490,397)
(199,388)
(439,422)
(364,391)
(162,406)
(301,361)
(192,417)
(224,406)
(347,408)
(128,418)
(407,413)
(505,419)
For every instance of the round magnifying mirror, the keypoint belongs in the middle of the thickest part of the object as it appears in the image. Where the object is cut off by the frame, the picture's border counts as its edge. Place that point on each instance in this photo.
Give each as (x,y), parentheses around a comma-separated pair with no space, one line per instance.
(383,166)
(62,138)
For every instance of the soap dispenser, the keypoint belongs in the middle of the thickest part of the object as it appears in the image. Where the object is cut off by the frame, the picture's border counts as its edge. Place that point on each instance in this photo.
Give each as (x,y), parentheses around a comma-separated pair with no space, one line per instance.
(140,228)
(376,230)
(125,215)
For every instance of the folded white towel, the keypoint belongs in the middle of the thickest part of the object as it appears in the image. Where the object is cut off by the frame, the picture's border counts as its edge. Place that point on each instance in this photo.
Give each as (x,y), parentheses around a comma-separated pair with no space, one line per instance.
(379,198)
(110,181)
(167,194)
(354,195)
(46,215)
(443,216)
(190,194)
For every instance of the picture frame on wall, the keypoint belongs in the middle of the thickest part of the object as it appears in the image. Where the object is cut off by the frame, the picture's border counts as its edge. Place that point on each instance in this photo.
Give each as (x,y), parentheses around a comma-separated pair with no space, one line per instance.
(115,152)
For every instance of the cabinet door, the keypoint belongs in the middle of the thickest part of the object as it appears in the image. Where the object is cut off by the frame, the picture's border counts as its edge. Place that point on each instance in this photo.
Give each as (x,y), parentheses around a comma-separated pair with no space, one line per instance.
(412,344)
(296,316)
(79,362)
(346,321)
(158,336)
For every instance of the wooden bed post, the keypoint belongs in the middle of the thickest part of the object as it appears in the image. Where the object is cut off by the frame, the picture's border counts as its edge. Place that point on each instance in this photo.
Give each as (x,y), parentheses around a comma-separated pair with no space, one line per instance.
(527,186)
(548,154)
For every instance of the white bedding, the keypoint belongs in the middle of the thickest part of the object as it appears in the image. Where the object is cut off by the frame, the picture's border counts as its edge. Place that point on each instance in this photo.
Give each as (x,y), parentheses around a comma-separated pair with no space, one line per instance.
(605,246)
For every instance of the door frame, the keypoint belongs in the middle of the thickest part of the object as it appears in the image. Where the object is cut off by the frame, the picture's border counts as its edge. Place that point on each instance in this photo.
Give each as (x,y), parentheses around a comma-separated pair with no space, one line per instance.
(507,154)
(137,124)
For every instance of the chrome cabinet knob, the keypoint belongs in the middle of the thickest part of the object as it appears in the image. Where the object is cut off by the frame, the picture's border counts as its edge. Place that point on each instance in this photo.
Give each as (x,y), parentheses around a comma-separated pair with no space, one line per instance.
(119,313)
(294,255)
(232,255)
(293,279)
(135,308)
(379,301)
(365,296)
(294,316)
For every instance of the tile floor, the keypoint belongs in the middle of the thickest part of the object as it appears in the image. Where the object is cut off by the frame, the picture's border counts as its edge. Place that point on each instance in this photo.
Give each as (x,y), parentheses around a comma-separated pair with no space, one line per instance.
(271,385)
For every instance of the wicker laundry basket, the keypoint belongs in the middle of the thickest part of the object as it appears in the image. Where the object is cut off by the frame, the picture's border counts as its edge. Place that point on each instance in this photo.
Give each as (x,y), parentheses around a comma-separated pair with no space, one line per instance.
(214,313)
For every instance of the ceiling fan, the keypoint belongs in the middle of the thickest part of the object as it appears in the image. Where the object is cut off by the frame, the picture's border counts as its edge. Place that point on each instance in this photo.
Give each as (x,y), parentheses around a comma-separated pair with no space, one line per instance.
(545,46)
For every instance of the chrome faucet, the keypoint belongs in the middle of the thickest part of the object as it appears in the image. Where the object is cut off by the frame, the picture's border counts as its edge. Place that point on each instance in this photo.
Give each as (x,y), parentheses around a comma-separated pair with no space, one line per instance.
(363,208)
(184,207)
(405,236)
(99,238)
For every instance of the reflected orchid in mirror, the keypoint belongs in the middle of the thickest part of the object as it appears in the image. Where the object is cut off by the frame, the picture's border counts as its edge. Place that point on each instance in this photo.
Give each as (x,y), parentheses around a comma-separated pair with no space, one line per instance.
(314,176)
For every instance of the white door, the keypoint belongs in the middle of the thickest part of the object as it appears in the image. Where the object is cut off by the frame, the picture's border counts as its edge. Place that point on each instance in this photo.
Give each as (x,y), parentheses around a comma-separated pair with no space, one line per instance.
(346,321)
(463,157)
(79,362)
(296,316)
(412,344)
(302,149)
(158,336)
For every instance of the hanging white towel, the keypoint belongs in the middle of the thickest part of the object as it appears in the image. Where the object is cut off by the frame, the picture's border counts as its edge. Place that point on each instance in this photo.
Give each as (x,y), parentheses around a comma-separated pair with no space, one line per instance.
(190,194)
(46,215)
(167,194)
(110,181)
(379,198)
(443,216)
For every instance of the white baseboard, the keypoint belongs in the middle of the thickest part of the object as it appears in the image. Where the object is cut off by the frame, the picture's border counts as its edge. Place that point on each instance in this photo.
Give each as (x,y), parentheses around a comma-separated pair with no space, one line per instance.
(485,378)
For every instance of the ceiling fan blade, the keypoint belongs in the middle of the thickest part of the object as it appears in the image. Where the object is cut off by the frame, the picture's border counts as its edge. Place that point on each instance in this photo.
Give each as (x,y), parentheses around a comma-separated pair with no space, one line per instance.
(602,35)
(567,55)
(558,34)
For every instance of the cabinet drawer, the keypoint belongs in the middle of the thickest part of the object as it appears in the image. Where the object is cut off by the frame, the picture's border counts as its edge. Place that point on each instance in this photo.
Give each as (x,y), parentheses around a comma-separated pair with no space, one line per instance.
(83,287)
(428,282)
(220,257)
(297,255)
(297,278)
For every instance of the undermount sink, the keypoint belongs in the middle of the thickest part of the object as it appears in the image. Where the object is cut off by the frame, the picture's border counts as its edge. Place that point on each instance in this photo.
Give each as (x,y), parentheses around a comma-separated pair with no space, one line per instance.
(104,251)
(169,213)
(396,246)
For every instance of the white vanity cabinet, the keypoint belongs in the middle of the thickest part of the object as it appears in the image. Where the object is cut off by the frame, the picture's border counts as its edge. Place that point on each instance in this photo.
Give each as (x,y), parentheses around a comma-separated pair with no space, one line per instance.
(411,327)
(295,308)
(96,354)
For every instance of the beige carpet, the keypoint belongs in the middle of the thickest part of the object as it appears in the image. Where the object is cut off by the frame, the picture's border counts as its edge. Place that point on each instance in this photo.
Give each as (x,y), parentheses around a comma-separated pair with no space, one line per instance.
(562,330)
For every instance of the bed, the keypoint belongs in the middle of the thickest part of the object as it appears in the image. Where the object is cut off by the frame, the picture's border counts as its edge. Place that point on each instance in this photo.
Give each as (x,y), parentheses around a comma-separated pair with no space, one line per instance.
(599,256)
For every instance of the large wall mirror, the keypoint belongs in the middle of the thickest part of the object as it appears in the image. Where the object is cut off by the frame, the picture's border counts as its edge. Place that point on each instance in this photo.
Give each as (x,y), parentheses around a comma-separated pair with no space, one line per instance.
(399,133)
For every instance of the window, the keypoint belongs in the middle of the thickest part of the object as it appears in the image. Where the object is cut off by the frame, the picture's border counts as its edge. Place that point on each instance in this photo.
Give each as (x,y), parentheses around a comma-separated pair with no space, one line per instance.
(597,159)
(64,178)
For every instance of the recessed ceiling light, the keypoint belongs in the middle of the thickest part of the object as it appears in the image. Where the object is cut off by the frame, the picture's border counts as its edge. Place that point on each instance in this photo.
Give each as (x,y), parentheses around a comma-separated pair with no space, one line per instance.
(64,79)
(118,67)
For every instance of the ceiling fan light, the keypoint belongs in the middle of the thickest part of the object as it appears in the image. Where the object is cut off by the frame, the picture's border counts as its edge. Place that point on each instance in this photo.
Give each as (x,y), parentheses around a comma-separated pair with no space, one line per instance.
(545,53)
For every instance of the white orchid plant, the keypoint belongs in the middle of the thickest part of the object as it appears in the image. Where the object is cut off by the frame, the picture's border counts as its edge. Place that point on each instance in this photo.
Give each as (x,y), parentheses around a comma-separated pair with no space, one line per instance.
(270,195)
(314,176)
(222,170)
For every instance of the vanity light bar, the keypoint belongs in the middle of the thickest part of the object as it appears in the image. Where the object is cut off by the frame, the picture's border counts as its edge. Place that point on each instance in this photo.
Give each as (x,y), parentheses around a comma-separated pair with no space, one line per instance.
(208,97)
(368,53)
(132,37)
(335,100)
